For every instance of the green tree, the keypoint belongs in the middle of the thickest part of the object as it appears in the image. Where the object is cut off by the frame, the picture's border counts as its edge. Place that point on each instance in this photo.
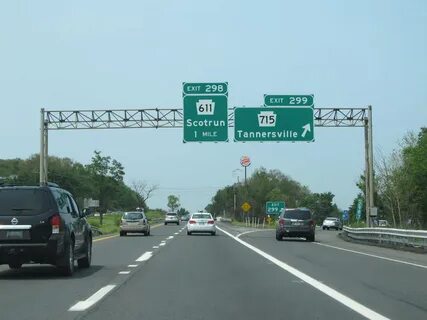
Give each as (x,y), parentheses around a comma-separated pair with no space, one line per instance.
(173,202)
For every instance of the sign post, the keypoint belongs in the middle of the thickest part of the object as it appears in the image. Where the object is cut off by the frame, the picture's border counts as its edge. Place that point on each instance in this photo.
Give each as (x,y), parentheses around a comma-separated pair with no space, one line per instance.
(245,162)
(205,112)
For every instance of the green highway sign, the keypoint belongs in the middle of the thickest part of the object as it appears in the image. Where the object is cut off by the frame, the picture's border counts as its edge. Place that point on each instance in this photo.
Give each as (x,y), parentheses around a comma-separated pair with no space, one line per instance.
(274,207)
(271,100)
(205,118)
(205,88)
(273,124)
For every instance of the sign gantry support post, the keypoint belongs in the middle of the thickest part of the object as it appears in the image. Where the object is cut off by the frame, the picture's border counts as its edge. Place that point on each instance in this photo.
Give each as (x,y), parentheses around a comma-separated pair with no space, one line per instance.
(371,166)
(367,170)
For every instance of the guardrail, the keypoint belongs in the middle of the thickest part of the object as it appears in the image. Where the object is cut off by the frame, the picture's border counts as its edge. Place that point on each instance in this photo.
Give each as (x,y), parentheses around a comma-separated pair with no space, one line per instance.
(388,236)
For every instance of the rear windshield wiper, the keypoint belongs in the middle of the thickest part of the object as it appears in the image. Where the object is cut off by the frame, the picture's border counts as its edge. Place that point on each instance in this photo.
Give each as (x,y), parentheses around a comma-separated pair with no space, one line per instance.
(22,209)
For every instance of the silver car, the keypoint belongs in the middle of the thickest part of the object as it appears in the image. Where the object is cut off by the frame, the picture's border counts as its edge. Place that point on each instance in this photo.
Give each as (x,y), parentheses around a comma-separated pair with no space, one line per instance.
(172,217)
(332,222)
(134,222)
(201,223)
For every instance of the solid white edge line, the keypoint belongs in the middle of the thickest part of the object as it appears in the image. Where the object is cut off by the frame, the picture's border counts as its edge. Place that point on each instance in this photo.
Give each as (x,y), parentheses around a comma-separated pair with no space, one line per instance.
(372,255)
(339,297)
(252,231)
(147,255)
(83,305)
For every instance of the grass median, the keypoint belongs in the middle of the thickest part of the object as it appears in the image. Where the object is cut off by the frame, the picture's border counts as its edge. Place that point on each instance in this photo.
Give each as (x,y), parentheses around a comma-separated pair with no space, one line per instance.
(111,221)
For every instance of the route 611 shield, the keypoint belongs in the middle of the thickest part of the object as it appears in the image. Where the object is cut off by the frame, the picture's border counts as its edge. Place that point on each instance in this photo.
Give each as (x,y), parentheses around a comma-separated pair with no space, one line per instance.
(205,107)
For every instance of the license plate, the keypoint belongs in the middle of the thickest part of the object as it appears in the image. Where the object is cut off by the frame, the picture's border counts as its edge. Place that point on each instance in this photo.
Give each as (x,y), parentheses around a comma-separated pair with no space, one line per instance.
(15,234)
(202,223)
(297,224)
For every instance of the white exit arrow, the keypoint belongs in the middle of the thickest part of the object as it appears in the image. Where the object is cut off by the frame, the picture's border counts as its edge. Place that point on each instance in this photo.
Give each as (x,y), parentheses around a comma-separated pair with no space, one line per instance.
(306,128)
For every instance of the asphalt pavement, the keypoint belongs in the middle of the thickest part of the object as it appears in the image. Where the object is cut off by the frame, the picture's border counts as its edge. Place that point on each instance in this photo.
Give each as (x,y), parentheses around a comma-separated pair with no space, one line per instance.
(241,273)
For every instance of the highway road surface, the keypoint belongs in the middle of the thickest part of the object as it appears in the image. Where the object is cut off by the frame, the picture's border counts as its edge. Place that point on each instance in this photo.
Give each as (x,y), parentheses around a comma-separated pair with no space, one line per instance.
(240,273)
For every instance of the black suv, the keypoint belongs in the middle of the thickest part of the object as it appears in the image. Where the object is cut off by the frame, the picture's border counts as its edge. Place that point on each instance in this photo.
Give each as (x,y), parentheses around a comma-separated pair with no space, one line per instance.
(296,223)
(43,225)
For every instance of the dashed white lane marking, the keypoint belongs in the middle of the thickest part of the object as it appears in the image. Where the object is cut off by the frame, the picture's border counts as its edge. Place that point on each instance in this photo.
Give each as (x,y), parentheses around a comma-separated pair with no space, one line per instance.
(132,266)
(147,255)
(162,244)
(176,233)
(373,255)
(124,272)
(341,298)
(83,305)
(170,237)
(155,247)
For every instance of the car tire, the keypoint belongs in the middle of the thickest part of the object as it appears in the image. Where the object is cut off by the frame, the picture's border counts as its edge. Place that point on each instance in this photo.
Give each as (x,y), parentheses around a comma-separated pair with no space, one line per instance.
(148,232)
(68,268)
(323,228)
(310,238)
(279,237)
(122,233)
(87,260)
(166,224)
(177,223)
(327,228)
(188,233)
(15,265)
(213,233)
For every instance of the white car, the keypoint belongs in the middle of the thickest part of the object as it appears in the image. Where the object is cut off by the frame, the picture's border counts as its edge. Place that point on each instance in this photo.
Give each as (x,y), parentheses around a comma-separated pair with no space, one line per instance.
(201,222)
(171,217)
(332,222)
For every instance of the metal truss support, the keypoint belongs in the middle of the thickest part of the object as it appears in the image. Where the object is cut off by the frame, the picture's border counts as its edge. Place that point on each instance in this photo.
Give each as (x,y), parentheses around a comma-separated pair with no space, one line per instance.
(174,118)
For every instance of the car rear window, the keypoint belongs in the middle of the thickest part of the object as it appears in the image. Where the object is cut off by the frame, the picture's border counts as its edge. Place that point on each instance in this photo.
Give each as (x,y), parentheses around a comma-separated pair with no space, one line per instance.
(171,214)
(26,202)
(201,216)
(297,214)
(133,215)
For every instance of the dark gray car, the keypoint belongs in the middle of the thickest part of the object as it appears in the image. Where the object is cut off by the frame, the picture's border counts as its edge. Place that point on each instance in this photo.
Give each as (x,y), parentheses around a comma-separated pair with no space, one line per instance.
(296,222)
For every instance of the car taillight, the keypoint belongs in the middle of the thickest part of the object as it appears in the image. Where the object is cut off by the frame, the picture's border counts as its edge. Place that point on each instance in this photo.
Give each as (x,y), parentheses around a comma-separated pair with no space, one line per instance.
(282,222)
(55,222)
(192,221)
(211,222)
(311,222)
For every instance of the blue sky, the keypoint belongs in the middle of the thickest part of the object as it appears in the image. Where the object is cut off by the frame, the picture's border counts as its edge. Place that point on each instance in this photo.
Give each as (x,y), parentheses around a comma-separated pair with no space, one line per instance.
(136,54)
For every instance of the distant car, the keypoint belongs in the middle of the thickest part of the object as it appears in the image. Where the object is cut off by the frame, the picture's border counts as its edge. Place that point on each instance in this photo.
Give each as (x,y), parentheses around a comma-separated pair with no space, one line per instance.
(134,222)
(201,223)
(296,222)
(332,222)
(171,217)
(43,224)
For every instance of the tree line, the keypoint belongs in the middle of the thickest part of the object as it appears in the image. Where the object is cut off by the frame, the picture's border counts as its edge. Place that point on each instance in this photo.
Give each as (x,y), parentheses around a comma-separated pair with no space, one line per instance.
(401,183)
(102,179)
(270,185)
